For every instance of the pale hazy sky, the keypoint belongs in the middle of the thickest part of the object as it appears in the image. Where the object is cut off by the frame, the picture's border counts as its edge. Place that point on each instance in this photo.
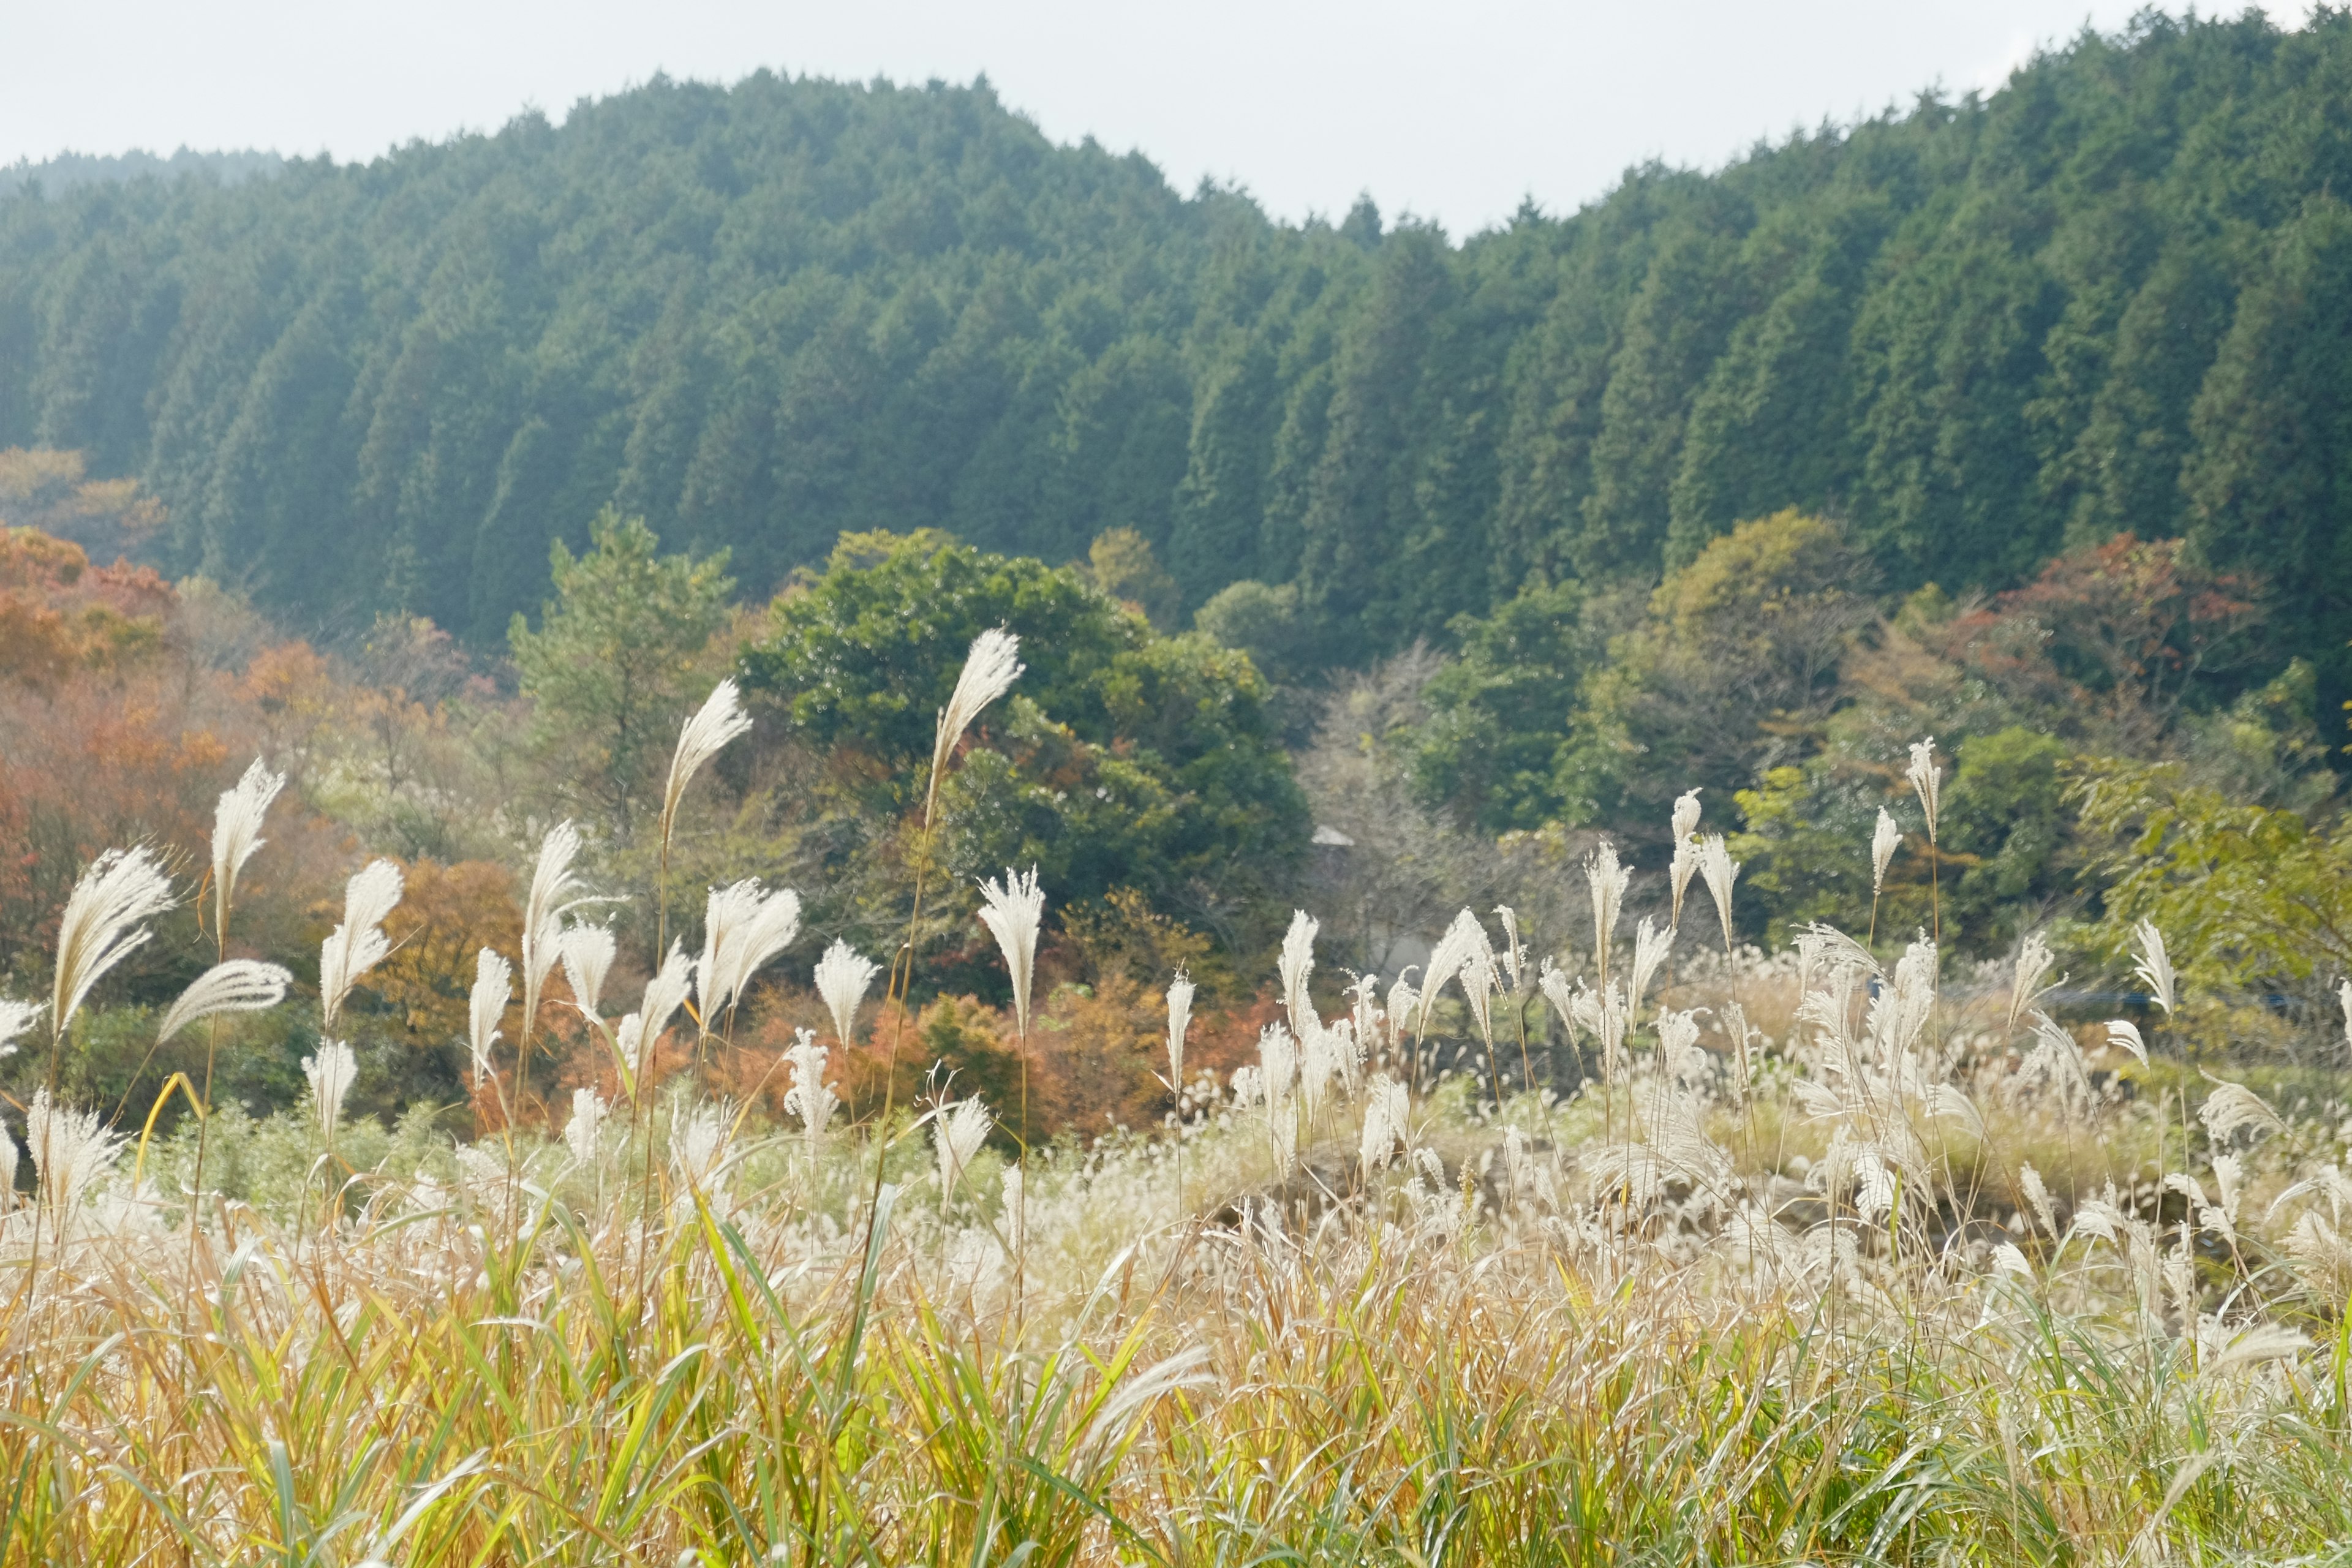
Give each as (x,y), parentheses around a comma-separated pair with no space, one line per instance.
(1454,112)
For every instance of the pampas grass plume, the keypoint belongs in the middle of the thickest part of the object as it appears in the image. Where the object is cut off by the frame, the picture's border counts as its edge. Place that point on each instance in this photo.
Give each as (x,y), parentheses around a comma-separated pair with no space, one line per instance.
(841,976)
(331,1074)
(1883,841)
(358,944)
(104,922)
(1180,1019)
(990,669)
(236,832)
(743,929)
(588,952)
(239,985)
(1012,912)
(2155,966)
(718,721)
(493,988)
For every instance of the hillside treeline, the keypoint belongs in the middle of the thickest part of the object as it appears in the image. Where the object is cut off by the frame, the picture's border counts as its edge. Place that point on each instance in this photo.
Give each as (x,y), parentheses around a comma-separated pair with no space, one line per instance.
(2108,297)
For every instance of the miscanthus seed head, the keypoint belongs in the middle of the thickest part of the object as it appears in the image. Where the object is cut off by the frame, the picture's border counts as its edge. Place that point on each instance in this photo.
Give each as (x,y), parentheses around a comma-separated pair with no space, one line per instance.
(331,1074)
(487,1004)
(587,1119)
(104,922)
(990,669)
(1297,962)
(359,943)
(2155,966)
(743,928)
(1011,911)
(236,832)
(1926,781)
(588,952)
(239,985)
(1180,1019)
(1883,841)
(703,735)
(841,976)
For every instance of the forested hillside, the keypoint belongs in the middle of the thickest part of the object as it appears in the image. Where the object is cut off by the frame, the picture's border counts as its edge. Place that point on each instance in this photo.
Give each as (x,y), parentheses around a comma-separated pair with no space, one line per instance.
(2113,296)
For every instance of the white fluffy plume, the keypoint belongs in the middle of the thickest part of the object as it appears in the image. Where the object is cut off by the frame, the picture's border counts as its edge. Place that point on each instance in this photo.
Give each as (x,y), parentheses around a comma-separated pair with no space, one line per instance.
(239,985)
(718,721)
(1719,871)
(236,832)
(104,921)
(1685,860)
(588,952)
(810,1098)
(1180,1019)
(358,944)
(580,1132)
(743,929)
(989,671)
(1012,912)
(555,890)
(71,1150)
(1885,839)
(957,1131)
(1297,962)
(15,1018)
(1607,880)
(331,1074)
(2155,966)
(493,988)
(841,976)
(1927,780)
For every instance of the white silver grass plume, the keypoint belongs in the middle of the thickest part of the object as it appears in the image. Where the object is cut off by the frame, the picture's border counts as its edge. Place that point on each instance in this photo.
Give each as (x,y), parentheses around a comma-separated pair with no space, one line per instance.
(989,671)
(1403,1004)
(2037,1198)
(664,994)
(1387,1109)
(587,1119)
(1277,1056)
(236,832)
(554,890)
(2232,1107)
(588,953)
(1465,942)
(1686,814)
(810,1098)
(1926,781)
(841,976)
(2344,998)
(718,721)
(1607,880)
(72,1150)
(239,985)
(1513,956)
(957,1131)
(1011,911)
(743,928)
(1480,982)
(1884,840)
(330,1074)
(1366,992)
(2124,1034)
(697,1147)
(2154,967)
(15,1018)
(104,922)
(1686,861)
(493,988)
(1553,983)
(1719,870)
(8,1173)
(1297,962)
(1180,1020)
(358,944)
(1651,946)
(2033,961)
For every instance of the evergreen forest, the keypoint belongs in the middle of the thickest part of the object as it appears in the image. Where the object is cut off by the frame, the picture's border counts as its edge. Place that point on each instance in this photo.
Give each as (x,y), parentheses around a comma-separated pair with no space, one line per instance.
(1977,331)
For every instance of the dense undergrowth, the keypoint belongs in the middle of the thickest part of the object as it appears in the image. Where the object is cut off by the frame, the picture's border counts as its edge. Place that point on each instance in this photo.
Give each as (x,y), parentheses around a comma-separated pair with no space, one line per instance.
(1840,1254)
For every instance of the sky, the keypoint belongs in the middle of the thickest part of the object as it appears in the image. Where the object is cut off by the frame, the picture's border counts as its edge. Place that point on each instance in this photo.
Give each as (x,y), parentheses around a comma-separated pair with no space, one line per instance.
(1457,112)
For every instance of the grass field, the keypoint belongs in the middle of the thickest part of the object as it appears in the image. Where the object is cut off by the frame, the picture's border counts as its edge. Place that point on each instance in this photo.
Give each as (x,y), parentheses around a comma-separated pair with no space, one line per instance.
(1833,1259)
